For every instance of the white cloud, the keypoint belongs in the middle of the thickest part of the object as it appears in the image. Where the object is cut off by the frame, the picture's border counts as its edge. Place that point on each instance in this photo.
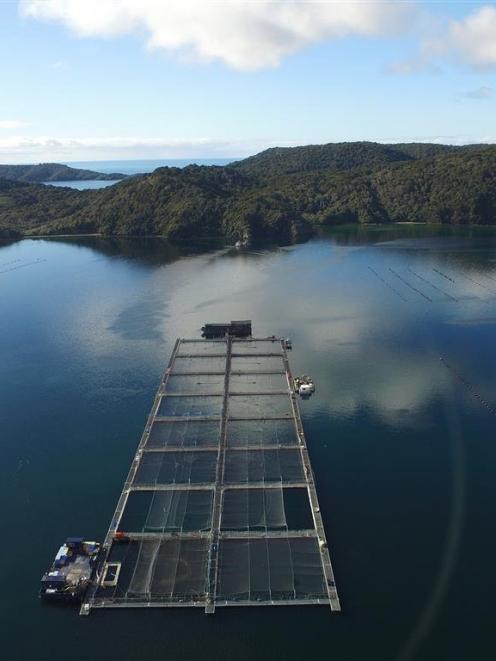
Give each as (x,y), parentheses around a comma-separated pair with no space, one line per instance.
(244,34)
(28,149)
(475,37)
(471,40)
(12,124)
(48,148)
(421,62)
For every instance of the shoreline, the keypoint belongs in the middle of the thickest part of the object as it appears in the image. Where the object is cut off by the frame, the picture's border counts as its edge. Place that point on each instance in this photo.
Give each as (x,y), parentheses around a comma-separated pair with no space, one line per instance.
(317,230)
(117,236)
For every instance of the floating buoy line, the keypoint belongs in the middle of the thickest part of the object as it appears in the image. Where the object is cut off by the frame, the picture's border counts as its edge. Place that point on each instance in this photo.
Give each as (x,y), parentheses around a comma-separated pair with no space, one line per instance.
(420,277)
(444,275)
(385,282)
(20,266)
(405,282)
(468,386)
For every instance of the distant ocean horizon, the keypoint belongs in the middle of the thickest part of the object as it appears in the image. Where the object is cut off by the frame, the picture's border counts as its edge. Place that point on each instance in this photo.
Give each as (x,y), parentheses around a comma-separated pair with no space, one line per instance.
(141,166)
(129,167)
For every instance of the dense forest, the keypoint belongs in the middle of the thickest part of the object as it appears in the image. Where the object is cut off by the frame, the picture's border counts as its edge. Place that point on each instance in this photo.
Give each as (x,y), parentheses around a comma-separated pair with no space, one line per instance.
(339,156)
(281,194)
(53,172)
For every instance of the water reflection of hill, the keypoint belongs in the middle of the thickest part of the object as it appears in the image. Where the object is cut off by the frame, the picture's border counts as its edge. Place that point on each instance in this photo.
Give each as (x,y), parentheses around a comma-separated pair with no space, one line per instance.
(356,235)
(448,243)
(152,251)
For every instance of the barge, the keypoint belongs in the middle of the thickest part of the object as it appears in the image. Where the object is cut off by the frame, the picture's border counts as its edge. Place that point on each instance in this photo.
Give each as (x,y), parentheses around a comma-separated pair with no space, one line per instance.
(72,571)
(232,329)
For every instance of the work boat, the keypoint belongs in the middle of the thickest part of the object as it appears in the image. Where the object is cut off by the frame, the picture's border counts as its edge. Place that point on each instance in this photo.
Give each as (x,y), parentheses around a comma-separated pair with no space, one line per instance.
(71,572)
(304,386)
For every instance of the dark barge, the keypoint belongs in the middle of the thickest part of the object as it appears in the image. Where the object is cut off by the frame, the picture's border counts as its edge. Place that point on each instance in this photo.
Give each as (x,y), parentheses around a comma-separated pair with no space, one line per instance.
(232,329)
(71,572)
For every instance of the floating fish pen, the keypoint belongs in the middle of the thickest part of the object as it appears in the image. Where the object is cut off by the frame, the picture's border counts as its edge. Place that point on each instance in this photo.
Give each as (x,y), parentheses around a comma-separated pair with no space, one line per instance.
(219,507)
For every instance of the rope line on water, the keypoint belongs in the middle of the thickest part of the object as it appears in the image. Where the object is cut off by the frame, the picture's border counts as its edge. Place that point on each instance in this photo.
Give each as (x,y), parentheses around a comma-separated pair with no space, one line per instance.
(482,300)
(387,284)
(444,275)
(468,386)
(433,285)
(405,282)
(15,261)
(21,266)
(467,277)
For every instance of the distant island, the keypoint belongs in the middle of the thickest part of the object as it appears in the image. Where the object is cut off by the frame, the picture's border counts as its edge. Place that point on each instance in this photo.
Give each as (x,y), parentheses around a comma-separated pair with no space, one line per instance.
(45,172)
(281,194)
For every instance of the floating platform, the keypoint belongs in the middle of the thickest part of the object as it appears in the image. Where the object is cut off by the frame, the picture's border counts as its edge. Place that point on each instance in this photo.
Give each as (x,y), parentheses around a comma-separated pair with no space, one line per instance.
(71,572)
(219,507)
(233,328)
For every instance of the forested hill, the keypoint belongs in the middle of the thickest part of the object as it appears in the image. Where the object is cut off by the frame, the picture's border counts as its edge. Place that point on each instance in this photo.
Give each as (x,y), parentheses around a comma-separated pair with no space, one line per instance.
(24,207)
(279,194)
(53,172)
(339,156)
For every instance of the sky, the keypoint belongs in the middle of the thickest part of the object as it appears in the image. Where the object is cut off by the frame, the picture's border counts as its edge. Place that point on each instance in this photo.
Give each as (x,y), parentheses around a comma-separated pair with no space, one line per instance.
(122,79)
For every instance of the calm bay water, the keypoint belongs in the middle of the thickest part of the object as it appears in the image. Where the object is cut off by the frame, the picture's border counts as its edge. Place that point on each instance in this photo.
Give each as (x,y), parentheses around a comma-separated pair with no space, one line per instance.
(88,184)
(402,442)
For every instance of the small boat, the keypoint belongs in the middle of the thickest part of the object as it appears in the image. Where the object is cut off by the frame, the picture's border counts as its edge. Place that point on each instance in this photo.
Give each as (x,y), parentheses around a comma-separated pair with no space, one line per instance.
(304,386)
(244,241)
(72,571)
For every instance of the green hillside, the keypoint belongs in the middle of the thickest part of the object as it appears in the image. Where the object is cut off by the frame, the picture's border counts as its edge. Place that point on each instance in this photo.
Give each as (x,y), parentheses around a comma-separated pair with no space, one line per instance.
(53,172)
(281,194)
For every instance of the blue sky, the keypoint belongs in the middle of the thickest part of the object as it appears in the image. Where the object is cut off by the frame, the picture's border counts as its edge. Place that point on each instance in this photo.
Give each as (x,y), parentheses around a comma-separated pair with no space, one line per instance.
(128,79)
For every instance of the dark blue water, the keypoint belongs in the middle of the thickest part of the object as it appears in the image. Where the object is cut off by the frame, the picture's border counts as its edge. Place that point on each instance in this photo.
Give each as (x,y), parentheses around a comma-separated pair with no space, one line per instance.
(402,442)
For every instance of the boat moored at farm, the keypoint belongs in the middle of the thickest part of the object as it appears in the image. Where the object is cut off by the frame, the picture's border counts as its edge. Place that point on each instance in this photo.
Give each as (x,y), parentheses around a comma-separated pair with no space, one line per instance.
(72,571)
(304,386)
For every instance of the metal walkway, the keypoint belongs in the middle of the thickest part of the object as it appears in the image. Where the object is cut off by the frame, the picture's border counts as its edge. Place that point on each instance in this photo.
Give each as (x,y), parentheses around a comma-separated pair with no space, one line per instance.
(219,507)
